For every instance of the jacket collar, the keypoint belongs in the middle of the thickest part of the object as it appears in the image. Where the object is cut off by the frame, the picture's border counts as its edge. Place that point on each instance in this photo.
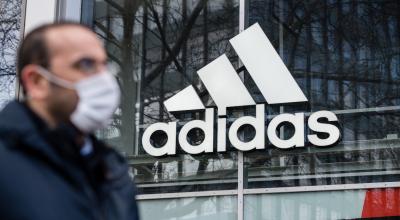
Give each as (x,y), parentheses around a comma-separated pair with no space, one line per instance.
(22,130)
(19,125)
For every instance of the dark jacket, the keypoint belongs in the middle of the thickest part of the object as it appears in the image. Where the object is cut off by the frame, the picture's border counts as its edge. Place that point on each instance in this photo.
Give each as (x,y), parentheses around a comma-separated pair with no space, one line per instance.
(43,176)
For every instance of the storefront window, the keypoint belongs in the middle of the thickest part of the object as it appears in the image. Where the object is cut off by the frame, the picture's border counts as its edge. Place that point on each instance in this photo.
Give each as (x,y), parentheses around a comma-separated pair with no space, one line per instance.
(10,25)
(343,54)
(211,208)
(159,46)
(305,205)
(345,57)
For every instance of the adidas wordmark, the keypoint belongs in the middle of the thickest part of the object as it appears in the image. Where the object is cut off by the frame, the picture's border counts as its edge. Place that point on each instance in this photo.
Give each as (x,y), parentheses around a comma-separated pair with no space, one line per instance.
(275,83)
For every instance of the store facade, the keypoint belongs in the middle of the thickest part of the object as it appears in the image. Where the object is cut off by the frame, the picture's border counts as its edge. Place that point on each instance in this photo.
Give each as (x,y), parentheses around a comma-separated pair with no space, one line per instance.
(343,56)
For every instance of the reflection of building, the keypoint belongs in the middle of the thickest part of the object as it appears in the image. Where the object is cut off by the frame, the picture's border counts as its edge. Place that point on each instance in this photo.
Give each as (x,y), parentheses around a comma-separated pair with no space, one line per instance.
(344,55)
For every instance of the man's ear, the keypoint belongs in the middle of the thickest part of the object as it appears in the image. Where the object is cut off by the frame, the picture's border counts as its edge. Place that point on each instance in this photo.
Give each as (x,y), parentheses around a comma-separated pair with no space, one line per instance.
(36,86)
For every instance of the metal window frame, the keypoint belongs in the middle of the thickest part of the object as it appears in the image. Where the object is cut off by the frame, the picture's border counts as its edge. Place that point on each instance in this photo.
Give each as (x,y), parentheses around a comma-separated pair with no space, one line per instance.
(87,16)
(295,189)
(69,10)
(243,22)
(187,194)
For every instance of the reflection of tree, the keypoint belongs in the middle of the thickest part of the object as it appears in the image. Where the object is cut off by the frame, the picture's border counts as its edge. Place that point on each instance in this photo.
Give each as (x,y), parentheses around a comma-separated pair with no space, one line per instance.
(214,207)
(345,55)
(10,14)
(160,45)
(153,20)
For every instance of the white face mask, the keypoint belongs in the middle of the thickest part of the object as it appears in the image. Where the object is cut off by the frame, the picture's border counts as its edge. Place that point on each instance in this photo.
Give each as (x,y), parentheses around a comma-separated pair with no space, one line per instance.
(99,97)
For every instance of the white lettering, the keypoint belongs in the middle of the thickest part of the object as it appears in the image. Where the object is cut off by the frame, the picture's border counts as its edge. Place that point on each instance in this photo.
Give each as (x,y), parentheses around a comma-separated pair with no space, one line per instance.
(207,127)
(257,122)
(169,147)
(297,140)
(332,130)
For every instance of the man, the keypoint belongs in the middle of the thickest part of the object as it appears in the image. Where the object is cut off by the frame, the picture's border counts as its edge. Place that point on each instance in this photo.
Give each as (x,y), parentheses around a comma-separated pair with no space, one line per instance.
(51,166)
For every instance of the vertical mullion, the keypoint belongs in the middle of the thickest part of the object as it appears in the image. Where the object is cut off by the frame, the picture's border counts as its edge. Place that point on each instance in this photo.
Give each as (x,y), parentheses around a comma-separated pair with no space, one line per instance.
(240,196)
(281,17)
(60,10)
(87,15)
(281,54)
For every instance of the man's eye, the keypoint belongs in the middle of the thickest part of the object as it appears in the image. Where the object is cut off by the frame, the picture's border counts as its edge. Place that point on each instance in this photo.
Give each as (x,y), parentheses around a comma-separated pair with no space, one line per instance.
(86,65)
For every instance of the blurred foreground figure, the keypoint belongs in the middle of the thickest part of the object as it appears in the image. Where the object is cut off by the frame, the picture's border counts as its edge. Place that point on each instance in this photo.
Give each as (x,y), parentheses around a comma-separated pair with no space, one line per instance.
(51,166)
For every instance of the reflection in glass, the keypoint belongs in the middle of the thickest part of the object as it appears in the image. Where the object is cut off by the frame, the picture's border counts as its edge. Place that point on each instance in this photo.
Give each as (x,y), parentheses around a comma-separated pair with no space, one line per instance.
(159,46)
(345,57)
(343,54)
(10,18)
(305,205)
(210,208)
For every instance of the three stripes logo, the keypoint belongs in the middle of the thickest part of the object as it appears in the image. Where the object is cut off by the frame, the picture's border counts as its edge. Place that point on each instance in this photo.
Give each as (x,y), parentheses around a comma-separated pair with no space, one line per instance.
(225,87)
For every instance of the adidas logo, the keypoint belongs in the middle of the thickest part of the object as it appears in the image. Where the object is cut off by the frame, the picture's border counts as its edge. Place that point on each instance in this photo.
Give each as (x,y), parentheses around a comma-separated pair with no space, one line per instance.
(222,82)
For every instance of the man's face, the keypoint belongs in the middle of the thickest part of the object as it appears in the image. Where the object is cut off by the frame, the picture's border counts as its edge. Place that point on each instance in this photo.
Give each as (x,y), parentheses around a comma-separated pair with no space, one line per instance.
(75,53)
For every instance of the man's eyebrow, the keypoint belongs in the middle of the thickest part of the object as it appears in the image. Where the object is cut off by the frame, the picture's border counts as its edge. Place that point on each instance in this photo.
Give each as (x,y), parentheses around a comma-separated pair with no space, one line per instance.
(80,59)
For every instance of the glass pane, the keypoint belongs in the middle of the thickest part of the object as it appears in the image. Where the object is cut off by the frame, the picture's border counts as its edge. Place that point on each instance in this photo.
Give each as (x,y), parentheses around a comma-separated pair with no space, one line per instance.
(305,205)
(10,25)
(159,46)
(207,208)
(345,57)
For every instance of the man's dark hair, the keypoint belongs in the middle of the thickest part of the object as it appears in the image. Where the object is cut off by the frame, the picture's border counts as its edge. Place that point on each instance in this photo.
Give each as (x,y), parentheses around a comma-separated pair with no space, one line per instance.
(33,48)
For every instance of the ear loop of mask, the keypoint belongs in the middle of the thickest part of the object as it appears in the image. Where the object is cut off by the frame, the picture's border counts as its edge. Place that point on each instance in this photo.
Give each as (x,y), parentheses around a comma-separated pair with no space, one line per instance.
(111,69)
(55,79)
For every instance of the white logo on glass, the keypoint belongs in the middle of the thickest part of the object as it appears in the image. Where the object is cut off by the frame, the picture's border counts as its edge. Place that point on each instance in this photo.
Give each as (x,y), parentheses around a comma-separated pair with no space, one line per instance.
(221,80)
